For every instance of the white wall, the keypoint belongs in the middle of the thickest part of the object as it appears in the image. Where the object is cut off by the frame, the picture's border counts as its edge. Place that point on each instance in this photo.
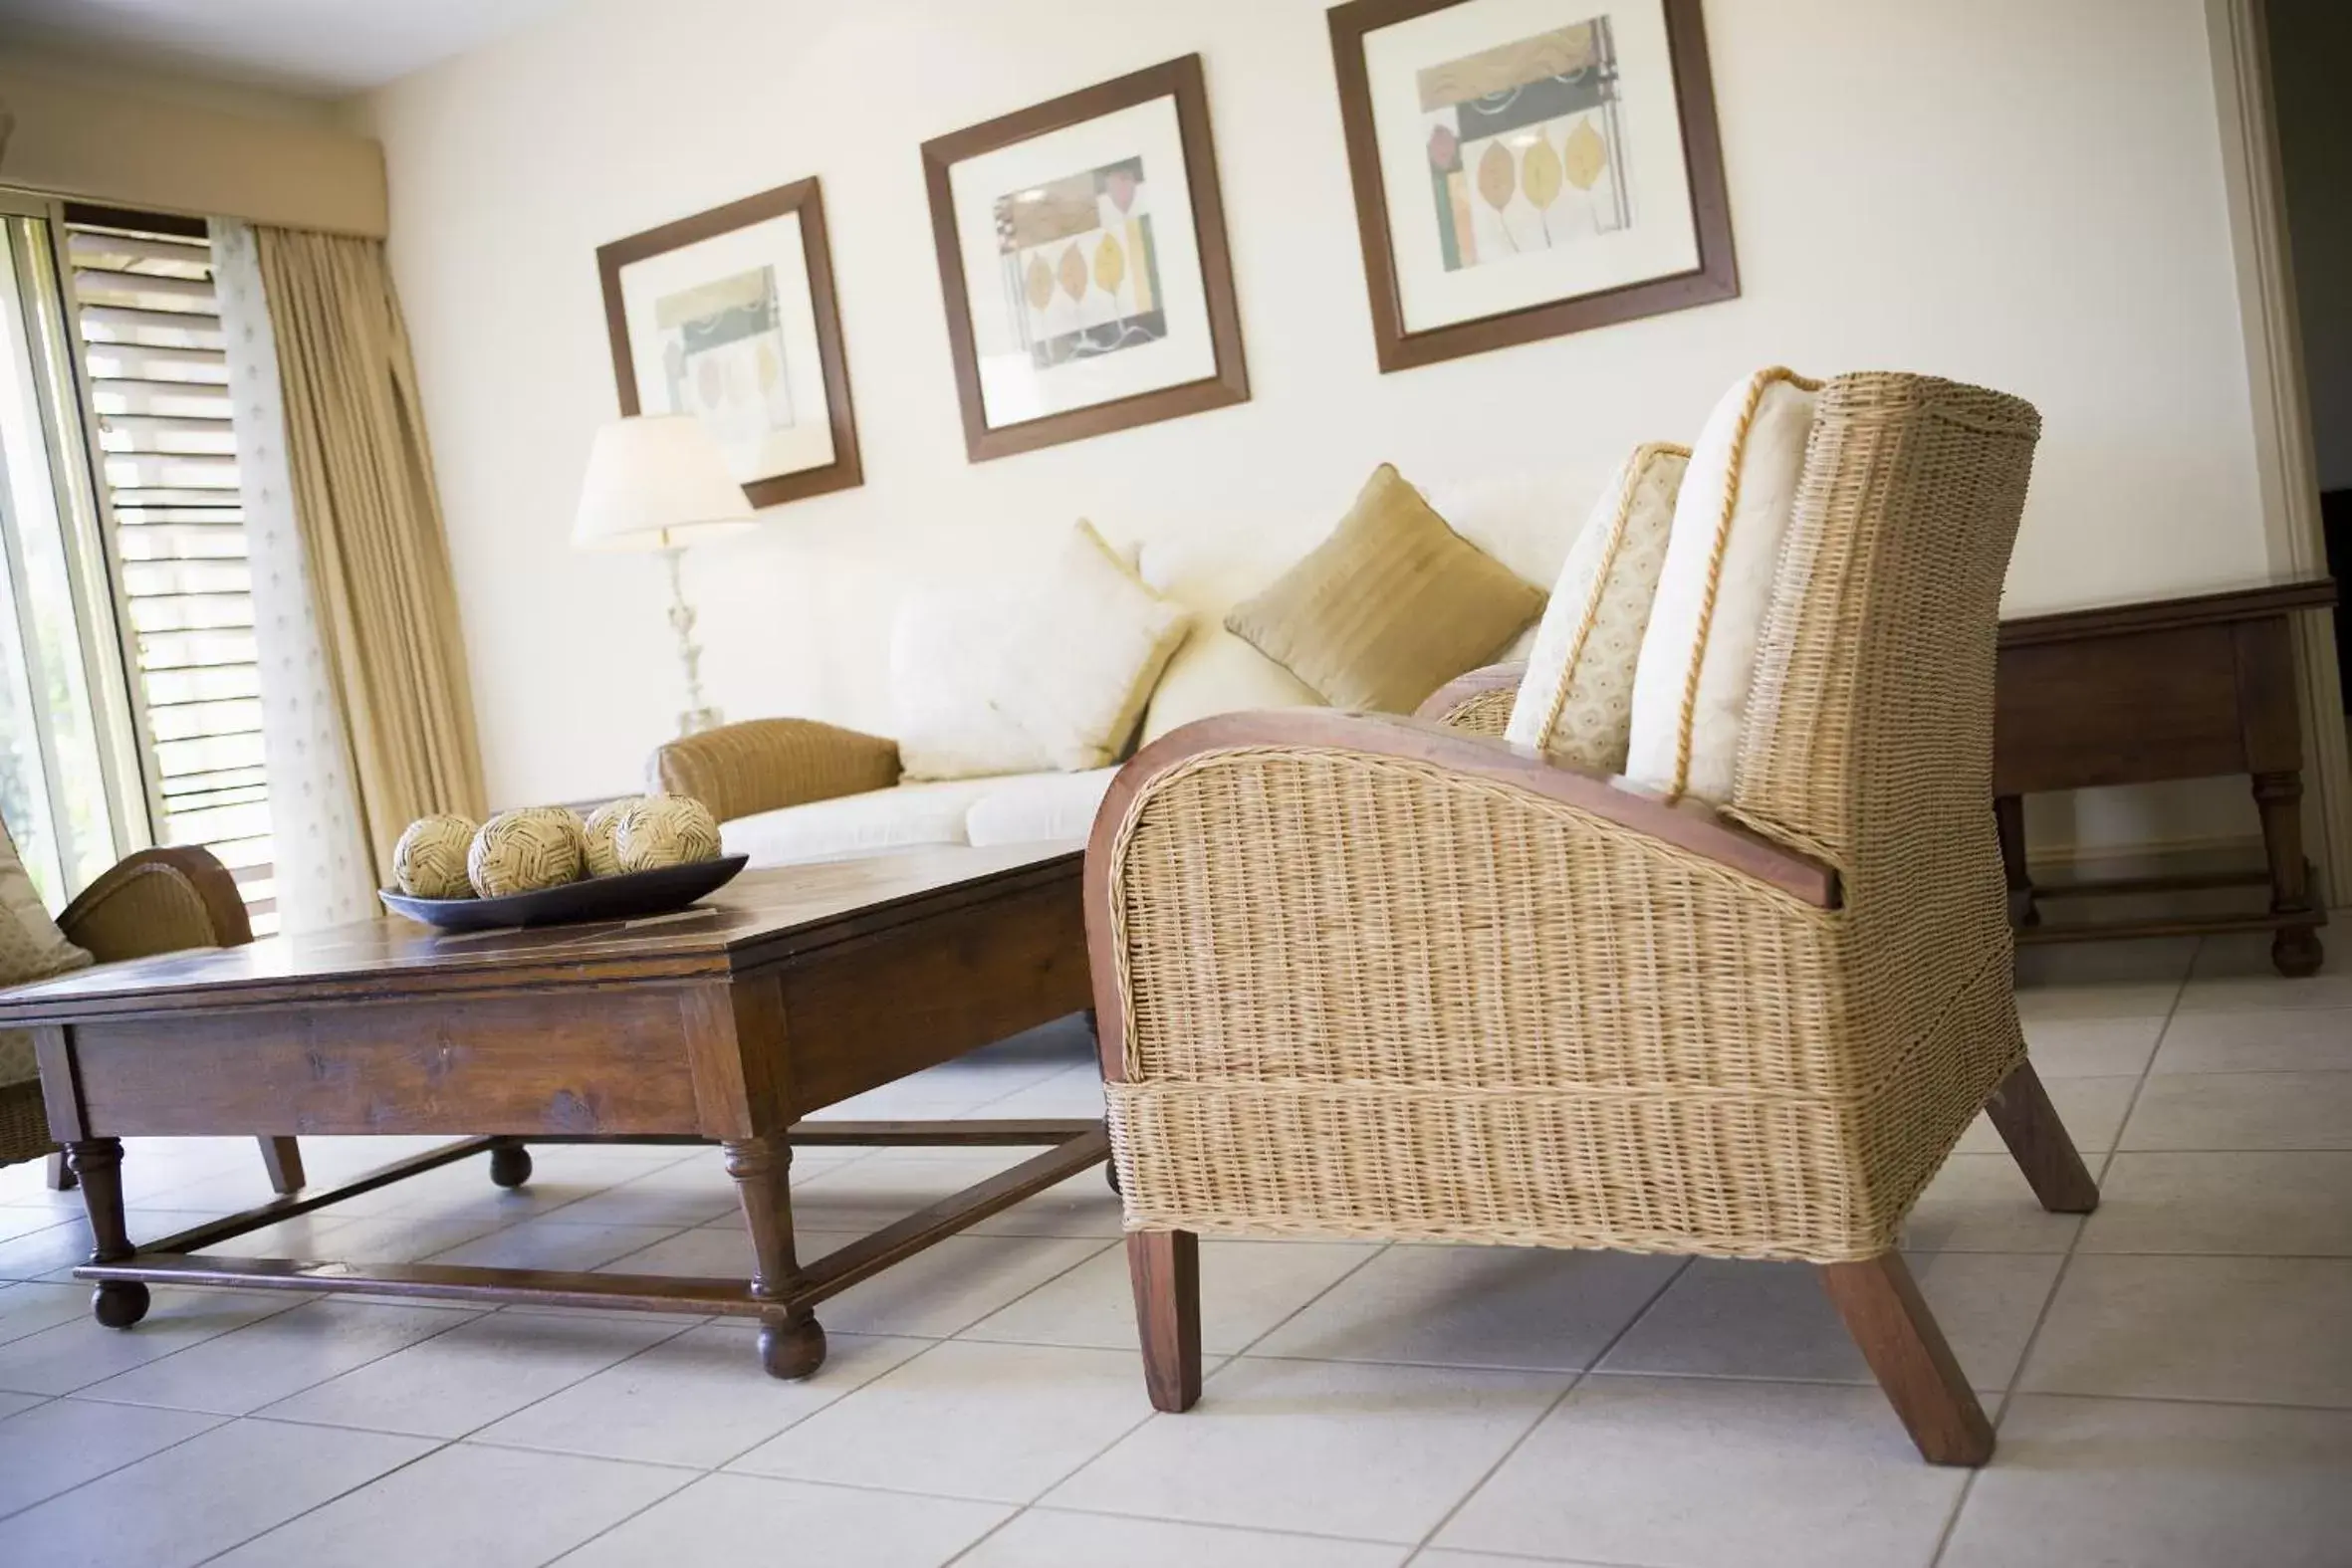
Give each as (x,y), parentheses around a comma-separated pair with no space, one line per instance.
(2019,192)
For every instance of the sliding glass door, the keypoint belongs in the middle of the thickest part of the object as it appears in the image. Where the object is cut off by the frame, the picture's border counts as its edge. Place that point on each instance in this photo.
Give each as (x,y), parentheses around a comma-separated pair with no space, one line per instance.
(68,763)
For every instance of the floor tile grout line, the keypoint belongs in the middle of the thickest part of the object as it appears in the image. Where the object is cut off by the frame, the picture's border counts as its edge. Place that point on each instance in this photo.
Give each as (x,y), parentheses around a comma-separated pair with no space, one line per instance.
(2001,1410)
(324,1502)
(1576,1381)
(469,1433)
(1149,1415)
(10,1513)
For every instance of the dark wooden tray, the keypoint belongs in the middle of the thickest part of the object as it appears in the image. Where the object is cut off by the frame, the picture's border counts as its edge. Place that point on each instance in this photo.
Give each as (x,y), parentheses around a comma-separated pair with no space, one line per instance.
(622,897)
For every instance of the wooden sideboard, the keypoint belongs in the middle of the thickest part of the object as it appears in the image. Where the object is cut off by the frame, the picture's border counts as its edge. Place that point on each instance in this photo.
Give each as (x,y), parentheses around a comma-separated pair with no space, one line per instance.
(2186,688)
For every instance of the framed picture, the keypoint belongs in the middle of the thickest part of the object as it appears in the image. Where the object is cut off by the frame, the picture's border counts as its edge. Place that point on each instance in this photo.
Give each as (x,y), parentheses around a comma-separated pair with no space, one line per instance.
(1081,252)
(1525,168)
(730,316)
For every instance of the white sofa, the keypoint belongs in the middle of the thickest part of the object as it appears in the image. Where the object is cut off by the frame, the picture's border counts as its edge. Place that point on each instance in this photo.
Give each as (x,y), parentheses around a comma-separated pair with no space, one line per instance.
(788,791)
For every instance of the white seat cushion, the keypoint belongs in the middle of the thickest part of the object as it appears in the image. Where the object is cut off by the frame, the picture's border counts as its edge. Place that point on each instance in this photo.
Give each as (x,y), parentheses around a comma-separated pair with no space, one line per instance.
(1576,702)
(874,822)
(1698,657)
(1039,807)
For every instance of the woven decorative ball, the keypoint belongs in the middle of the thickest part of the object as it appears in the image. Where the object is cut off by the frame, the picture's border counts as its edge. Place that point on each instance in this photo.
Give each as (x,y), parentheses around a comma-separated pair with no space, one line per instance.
(429,860)
(523,850)
(603,822)
(664,830)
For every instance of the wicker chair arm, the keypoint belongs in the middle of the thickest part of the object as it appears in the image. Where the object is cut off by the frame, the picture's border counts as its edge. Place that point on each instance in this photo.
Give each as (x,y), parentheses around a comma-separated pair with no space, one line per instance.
(1689,826)
(765,765)
(1476,702)
(158,901)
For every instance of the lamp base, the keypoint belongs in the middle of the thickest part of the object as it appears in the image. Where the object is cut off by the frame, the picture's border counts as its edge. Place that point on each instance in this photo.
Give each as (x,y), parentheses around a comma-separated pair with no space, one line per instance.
(697,720)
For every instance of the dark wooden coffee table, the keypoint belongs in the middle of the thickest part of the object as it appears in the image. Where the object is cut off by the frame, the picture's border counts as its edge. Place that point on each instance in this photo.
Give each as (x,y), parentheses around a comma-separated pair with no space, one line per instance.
(783,993)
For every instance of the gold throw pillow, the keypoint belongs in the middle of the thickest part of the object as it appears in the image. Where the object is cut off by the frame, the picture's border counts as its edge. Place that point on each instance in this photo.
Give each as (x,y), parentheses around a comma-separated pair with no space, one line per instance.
(1390,607)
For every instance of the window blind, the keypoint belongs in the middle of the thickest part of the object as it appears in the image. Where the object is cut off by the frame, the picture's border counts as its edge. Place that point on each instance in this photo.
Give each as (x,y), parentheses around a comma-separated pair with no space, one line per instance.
(158,382)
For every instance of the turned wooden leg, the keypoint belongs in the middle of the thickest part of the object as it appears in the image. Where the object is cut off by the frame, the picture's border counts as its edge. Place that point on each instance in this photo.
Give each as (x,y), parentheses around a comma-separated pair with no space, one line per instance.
(281,1157)
(791,1344)
(1882,1308)
(2278,796)
(1164,1266)
(2008,821)
(2027,1121)
(97,1164)
(510,1163)
(60,1175)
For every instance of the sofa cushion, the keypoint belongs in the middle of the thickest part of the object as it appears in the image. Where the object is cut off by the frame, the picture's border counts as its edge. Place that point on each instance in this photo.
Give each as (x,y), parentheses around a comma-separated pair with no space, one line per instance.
(1388,608)
(1038,808)
(1698,655)
(1208,570)
(1080,659)
(1577,700)
(1526,520)
(875,822)
(1216,672)
(946,659)
(31,948)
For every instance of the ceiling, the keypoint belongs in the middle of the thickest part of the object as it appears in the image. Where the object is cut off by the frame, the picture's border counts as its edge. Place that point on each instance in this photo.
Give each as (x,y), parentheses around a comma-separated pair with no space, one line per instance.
(317,48)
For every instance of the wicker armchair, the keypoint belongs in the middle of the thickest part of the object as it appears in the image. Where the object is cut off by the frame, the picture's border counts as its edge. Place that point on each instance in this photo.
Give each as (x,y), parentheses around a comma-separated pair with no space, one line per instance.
(1395,979)
(152,901)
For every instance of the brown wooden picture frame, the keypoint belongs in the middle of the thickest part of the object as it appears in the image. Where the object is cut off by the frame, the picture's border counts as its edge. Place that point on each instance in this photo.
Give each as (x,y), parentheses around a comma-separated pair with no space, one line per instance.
(1181,80)
(1717,277)
(803,197)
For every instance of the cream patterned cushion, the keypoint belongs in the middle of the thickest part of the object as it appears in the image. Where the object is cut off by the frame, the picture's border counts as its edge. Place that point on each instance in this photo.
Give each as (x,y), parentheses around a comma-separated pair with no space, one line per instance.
(1576,702)
(1698,657)
(31,948)
(1085,652)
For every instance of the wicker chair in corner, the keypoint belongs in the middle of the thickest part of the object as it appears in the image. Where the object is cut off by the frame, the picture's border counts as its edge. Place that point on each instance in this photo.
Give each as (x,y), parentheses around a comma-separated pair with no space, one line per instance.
(1384,978)
(151,901)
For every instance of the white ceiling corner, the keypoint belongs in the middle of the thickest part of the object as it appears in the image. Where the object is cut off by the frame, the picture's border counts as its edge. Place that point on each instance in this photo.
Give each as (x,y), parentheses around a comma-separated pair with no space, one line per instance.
(309,48)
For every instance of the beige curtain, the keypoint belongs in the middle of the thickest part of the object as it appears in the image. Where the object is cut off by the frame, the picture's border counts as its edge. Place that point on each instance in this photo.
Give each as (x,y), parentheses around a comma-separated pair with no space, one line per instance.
(371,531)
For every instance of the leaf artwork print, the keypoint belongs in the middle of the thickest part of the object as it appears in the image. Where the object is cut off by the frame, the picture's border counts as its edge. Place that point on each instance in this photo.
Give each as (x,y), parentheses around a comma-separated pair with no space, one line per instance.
(1527,146)
(723,359)
(1081,273)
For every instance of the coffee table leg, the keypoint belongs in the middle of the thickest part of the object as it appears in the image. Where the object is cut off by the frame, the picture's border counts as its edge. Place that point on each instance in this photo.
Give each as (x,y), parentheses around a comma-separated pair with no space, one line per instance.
(98,1162)
(791,1345)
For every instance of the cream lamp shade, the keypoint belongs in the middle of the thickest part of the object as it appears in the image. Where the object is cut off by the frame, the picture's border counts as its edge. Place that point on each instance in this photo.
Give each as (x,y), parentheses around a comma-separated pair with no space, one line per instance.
(656,483)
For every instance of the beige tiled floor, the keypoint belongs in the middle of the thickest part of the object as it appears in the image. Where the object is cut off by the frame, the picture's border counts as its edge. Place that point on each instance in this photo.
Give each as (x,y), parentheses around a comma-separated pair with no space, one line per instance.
(2173,1378)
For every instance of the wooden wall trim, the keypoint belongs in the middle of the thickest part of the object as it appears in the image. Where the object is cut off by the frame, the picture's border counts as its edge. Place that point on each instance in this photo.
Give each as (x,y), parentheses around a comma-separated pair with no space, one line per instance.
(85,141)
(2283,462)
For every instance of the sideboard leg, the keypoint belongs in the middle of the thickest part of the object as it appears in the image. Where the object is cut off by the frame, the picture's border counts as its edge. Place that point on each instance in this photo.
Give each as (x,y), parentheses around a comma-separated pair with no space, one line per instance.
(2295,951)
(2008,821)
(792,1342)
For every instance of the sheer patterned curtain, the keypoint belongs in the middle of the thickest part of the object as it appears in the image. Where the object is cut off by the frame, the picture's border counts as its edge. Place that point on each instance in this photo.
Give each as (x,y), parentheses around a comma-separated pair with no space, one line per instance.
(325,870)
(370,525)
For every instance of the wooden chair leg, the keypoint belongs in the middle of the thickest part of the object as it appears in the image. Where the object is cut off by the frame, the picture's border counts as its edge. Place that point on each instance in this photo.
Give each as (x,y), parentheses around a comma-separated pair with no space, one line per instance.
(1898,1336)
(1165,1269)
(61,1178)
(2027,1121)
(283,1158)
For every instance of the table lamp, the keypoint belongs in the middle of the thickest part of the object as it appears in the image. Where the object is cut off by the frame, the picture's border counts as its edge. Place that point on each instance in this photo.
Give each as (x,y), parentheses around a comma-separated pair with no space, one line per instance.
(661,482)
